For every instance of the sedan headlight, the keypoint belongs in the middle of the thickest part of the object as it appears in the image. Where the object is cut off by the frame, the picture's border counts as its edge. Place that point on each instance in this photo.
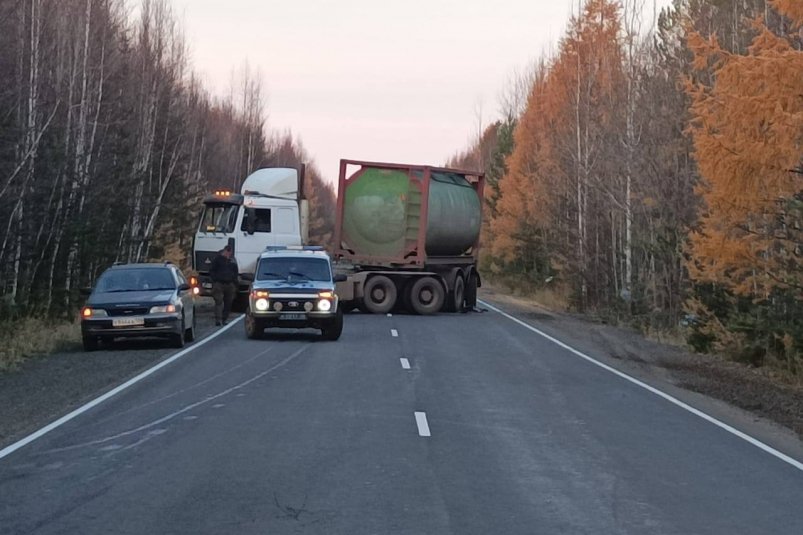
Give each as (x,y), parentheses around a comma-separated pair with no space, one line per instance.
(163,309)
(88,312)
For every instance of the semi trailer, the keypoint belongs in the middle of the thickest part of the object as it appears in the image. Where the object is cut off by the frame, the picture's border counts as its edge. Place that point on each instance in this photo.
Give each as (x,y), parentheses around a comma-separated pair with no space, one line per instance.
(407,236)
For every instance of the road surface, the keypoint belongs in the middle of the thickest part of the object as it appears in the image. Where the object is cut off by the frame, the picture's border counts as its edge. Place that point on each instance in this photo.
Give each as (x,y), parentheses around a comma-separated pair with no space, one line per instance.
(449,424)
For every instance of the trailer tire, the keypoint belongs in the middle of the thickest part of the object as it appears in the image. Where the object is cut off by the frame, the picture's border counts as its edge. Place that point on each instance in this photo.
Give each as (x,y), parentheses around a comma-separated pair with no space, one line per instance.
(471,290)
(427,296)
(379,295)
(458,295)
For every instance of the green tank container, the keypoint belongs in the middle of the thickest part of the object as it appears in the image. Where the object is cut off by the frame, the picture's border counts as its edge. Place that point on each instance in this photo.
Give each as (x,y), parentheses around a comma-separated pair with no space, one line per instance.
(382,214)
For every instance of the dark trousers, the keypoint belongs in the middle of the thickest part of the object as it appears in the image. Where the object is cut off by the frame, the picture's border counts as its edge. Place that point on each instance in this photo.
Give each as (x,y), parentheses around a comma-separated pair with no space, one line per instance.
(223,293)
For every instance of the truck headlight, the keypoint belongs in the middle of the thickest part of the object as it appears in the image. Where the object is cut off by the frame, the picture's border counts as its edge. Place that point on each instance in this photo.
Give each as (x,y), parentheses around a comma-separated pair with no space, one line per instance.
(163,309)
(324,305)
(261,304)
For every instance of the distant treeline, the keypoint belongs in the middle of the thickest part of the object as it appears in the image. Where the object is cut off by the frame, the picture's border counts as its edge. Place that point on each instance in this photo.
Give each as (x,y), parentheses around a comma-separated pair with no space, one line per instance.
(108,142)
(655,175)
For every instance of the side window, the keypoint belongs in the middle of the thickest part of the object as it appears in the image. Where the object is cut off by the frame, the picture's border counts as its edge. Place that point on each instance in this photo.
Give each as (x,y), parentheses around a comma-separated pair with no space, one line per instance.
(180,277)
(261,220)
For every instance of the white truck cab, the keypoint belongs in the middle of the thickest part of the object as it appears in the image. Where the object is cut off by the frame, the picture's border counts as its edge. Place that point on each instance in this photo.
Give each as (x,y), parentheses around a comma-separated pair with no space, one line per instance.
(268,211)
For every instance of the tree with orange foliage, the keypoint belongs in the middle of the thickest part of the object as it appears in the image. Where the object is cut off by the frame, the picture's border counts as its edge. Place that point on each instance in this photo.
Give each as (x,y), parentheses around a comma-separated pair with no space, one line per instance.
(748,136)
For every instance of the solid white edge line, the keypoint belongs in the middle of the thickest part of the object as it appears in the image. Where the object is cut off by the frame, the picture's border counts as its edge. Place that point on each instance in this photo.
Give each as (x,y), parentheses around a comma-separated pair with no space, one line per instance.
(421,422)
(8,450)
(394,333)
(405,363)
(730,429)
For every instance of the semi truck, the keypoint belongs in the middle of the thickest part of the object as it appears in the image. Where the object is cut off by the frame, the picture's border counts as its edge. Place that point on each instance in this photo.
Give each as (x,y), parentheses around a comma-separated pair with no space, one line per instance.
(269,210)
(407,236)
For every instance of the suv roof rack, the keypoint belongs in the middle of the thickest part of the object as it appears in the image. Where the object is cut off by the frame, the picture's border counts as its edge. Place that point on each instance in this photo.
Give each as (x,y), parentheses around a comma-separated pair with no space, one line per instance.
(271,248)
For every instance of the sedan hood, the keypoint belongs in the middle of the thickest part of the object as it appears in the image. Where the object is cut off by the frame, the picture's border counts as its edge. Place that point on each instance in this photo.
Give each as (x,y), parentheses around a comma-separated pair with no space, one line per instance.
(138,298)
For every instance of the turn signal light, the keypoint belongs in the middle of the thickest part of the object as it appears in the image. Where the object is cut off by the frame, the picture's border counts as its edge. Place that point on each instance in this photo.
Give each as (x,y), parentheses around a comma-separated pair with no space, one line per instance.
(86,312)
(260,293)
(326,295)
(193,281)
(222,193)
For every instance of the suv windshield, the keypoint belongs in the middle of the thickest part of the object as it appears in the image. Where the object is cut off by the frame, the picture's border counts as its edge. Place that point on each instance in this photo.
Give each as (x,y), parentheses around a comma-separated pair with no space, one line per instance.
(294,268)
(135,280)
(219,217)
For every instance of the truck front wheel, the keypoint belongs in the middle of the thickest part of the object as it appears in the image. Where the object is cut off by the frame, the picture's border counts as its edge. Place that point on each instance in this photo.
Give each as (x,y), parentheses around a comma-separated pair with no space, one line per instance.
(379,295)
(427,296)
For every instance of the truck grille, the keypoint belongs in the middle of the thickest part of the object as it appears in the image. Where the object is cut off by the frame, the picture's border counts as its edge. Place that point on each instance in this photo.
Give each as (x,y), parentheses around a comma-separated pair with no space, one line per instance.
(203,260)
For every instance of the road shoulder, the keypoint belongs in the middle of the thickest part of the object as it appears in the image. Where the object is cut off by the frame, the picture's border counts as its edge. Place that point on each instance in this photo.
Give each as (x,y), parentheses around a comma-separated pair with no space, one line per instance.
(749,399)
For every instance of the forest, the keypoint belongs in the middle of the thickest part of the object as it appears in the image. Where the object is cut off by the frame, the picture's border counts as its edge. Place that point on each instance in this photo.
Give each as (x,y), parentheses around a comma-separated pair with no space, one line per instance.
(108,142)
(653,176)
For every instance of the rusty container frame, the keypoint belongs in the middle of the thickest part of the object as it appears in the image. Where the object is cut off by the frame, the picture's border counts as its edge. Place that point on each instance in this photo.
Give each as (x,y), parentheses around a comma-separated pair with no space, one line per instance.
(418,258)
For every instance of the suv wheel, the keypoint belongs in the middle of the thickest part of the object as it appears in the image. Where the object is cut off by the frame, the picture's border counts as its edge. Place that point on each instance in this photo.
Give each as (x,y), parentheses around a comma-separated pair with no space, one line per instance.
(334,329)
(254,327)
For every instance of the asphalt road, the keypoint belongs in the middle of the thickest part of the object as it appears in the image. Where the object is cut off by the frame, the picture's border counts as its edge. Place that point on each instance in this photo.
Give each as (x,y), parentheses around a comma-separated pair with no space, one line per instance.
(296,435)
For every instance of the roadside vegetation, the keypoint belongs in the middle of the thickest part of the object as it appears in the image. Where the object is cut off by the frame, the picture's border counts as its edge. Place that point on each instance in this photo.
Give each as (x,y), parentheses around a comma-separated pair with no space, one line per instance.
(108,142)
(30,337)
(653,176)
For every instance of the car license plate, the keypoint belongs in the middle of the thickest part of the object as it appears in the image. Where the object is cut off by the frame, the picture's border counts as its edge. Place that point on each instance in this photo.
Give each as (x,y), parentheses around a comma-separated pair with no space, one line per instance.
(295,317)
(128,322)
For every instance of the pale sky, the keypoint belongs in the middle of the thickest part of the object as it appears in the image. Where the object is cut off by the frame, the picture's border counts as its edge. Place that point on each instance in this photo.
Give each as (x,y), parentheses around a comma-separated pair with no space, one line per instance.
(380,80)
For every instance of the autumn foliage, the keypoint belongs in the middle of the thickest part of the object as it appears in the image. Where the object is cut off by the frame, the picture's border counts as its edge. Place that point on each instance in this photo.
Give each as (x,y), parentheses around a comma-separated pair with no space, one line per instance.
(657,177)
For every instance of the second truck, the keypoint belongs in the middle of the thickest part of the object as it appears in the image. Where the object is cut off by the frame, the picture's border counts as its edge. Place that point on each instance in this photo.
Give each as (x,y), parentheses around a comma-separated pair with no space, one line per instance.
(407,236)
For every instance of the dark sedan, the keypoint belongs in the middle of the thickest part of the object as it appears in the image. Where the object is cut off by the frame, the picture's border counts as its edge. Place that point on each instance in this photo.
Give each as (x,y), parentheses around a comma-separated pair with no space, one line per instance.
(136,300)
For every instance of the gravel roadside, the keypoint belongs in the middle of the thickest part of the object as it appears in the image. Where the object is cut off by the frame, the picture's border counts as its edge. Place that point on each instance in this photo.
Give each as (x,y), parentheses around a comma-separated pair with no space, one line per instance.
(47,387)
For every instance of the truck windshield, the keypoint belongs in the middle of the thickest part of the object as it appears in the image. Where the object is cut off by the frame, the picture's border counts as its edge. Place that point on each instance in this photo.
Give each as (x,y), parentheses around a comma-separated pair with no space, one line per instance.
(294,268)
(219,217)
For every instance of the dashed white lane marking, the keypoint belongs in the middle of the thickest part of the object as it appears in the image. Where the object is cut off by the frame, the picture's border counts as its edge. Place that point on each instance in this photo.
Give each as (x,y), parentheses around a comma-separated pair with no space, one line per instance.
(190,417)
(8,450)
(390,315)
(394,333)
(218,405)
(405,363)
(671,399)
(421,422)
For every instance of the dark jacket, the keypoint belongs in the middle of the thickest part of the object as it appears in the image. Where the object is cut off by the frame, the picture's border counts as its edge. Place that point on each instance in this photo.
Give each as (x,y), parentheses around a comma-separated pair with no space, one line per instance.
(223,269)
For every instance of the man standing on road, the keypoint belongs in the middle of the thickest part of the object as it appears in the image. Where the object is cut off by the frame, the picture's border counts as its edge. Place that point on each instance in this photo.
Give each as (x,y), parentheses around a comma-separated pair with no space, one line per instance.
(223,272)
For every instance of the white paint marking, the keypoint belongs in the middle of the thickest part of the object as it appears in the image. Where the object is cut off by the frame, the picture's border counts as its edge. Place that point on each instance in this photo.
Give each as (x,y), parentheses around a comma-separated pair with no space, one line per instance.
(218,405)
(8,450)
(390,315)
(730,429)
(421,422)
(394,333)
(190,418)
(185,409)
(405,363)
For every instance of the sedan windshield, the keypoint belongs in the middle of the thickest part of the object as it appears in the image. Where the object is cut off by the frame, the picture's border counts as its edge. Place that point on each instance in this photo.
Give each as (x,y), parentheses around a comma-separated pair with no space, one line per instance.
(295,269)
(135,280)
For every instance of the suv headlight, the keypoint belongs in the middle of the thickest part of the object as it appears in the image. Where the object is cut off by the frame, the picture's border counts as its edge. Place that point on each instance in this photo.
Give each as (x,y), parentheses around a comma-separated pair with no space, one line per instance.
(324,305)
(163,309)
(261,304)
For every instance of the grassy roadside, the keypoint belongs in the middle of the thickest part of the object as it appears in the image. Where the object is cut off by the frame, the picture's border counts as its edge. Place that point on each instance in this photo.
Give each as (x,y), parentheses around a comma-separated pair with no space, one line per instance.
(31,337)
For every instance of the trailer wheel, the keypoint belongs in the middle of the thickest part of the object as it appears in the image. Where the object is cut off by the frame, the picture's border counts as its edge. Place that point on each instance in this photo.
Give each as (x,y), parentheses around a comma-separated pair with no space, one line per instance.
(458,295)
(427,296)
(471,290)
(379,295)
